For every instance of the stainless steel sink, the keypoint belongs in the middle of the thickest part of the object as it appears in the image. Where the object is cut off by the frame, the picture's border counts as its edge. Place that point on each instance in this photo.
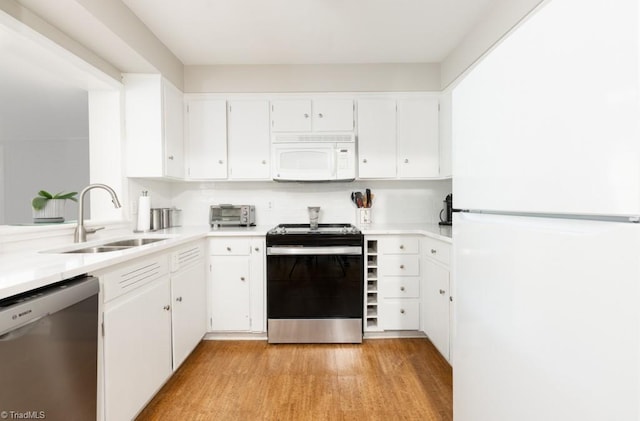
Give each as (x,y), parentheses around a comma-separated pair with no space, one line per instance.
(113,246)
(97,249)
(134,242)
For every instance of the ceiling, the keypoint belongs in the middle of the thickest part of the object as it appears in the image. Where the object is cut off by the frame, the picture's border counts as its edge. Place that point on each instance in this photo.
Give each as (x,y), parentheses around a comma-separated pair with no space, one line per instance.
(209,32)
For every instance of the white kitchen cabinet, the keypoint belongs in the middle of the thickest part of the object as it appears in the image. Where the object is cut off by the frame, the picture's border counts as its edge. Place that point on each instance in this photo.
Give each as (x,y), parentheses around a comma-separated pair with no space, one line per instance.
(189,303)
(377,138)
(154,127)
(249,141)
(206,139)
(237,280)
(437,299)
(393,283)
(317,115)
(137,348)
(398,138)
(418,152)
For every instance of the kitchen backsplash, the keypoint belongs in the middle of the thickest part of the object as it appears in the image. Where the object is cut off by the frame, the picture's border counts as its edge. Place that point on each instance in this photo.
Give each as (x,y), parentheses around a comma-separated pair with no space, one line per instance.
(394,201)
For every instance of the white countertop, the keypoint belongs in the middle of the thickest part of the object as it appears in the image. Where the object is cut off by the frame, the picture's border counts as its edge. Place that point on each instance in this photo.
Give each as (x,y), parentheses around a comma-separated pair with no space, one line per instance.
(25,270)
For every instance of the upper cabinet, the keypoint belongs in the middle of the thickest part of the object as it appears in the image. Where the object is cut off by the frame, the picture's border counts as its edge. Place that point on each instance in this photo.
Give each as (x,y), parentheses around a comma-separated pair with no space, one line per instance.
(318,115)
(206,135)
(248,137)
(398,138)
(154,127)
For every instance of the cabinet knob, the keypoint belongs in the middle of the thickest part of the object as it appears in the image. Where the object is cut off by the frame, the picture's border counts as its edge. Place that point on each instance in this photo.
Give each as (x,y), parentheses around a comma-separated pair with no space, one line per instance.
(228,248)
(442,291)
(320,115)
(257,249)
(401,288)
(306,115)
(220,161)
(401,266)
(434,251)
(242,278)
(364,161)
(401,311)
(179,299)
(167,307)
(264,162)
(170,157)
(406,161)
(401,247)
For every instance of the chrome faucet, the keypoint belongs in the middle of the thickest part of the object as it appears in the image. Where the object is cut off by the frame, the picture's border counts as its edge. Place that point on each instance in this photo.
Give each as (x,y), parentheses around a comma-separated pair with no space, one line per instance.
(80,234)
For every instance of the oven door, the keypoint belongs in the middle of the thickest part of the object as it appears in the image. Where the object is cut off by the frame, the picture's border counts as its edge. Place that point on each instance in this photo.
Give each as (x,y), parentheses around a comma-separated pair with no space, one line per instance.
(314,282)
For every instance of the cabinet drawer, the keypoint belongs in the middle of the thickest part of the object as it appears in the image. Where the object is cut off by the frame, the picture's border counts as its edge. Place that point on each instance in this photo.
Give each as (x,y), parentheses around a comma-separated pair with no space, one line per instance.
(400,314)
(400,265)
(130,276)
(399,245)
(438,250)
(403,287)
(230,247)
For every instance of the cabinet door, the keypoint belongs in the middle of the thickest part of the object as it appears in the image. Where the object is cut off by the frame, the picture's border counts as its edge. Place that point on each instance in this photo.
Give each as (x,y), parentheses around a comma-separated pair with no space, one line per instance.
(173,118)
(137,349)
(230,294)
(207,139)
(436,308)
(291,115)
(377,138)
(418,154)
(249,143)
(258,283)
(332,115)
(189,315)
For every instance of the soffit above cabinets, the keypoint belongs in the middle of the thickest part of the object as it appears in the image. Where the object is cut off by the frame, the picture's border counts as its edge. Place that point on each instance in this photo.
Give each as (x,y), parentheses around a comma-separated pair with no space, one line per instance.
(210,32)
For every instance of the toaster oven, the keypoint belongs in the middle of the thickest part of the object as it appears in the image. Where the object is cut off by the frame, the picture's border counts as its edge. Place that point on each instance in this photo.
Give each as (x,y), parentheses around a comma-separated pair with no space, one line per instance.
(232,215)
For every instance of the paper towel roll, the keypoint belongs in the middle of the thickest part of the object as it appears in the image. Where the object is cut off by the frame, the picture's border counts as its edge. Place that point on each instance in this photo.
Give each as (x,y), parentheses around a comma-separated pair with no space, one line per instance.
(144,213)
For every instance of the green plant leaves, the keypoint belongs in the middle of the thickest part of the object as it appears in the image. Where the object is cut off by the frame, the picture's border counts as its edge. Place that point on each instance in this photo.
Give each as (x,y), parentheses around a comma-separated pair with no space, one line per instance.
(43,196)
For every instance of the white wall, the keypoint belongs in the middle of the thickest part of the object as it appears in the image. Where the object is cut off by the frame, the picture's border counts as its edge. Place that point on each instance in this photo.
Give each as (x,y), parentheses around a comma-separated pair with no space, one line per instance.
(313,78)
(395,201)
(497,22)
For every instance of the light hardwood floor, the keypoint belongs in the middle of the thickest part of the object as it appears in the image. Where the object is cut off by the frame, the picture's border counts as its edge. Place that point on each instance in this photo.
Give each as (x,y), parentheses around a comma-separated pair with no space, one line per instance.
(382,379)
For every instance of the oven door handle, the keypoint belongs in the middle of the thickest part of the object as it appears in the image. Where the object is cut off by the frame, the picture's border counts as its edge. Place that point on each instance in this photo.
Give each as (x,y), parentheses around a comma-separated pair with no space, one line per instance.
(309,251)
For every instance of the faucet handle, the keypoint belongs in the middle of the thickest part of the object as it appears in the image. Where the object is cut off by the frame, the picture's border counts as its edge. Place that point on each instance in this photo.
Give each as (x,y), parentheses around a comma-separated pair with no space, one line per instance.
(92,230)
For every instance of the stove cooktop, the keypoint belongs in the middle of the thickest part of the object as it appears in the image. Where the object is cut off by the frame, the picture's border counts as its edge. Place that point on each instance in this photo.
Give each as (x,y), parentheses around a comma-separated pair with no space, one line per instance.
(306,229)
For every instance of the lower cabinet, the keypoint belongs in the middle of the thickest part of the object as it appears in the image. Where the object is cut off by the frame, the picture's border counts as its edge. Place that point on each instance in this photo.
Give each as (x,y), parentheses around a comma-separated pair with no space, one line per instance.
(153,316)
(137,348)
(393,283)
(237,284)
(437,296)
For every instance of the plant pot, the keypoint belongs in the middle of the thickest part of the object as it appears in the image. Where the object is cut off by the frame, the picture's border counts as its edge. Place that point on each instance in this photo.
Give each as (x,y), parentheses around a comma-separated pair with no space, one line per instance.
(53,211)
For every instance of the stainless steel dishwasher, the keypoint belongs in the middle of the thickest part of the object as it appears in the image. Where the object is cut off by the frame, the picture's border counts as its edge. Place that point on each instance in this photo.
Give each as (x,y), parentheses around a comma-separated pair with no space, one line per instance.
(48,352)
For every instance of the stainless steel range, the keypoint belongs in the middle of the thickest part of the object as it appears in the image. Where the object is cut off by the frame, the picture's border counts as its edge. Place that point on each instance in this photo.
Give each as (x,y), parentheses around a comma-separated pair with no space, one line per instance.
(315,284)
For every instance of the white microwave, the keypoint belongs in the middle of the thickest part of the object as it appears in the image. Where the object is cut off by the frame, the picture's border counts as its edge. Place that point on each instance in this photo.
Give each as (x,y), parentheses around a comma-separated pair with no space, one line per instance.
(313,158)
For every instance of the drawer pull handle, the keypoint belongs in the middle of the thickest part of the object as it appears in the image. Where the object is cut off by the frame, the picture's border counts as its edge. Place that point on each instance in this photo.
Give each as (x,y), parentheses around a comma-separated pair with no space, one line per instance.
(434,251)
(401,288)
(442,291)
(401,266)
(401,311)
(179,299)
(242,278)
(228,248)
(167,307)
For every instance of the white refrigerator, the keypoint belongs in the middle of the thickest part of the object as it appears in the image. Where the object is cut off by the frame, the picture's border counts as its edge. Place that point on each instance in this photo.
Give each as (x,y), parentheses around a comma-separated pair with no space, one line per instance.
(546,262)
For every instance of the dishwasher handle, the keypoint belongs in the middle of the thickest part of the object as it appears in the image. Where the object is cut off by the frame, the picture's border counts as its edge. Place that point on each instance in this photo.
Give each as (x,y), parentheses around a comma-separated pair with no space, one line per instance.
(29,307)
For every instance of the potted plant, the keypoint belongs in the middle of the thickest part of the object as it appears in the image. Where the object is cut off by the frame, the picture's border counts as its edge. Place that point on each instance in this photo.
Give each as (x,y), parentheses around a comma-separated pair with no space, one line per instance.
(49,207)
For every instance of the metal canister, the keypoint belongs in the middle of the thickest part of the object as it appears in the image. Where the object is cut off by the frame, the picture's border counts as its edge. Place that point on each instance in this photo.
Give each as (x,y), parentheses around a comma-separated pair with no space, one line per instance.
(156,219)
(166,218)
